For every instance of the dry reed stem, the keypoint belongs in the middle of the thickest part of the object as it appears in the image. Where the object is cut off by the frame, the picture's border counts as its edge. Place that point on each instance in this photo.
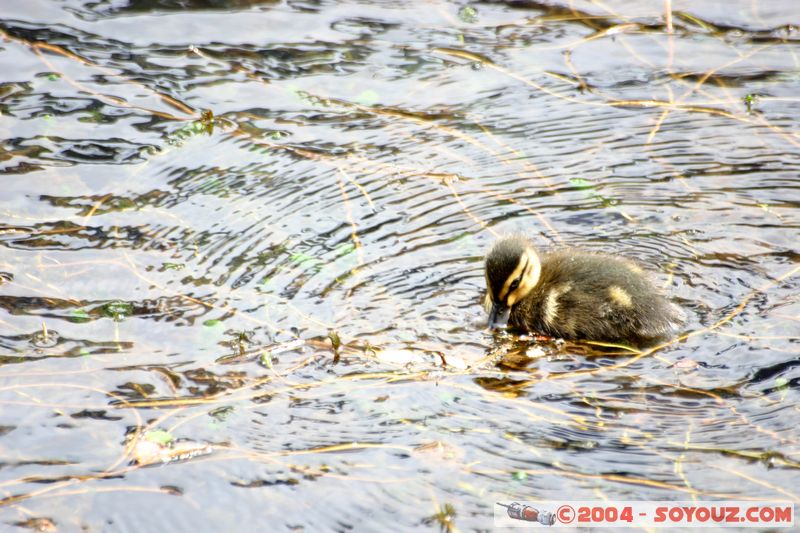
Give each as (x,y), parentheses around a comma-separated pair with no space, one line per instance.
(39,46)
(353,226)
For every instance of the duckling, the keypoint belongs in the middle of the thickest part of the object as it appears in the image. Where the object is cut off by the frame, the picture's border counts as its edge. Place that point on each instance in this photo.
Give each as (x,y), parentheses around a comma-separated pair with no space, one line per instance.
(572,294)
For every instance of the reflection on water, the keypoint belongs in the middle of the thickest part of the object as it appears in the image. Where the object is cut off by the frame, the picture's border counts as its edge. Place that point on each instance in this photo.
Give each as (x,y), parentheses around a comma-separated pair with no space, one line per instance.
(191,187)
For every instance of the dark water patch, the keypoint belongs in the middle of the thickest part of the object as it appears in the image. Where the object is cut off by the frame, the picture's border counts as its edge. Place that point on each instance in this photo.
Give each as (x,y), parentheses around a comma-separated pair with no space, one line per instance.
(117,151)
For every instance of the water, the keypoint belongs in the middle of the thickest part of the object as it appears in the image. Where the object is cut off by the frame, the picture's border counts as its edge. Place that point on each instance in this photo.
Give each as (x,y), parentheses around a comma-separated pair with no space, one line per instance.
(358,161)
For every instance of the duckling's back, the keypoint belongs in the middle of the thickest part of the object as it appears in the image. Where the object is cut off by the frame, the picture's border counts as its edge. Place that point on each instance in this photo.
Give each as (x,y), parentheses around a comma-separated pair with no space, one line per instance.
(596,297)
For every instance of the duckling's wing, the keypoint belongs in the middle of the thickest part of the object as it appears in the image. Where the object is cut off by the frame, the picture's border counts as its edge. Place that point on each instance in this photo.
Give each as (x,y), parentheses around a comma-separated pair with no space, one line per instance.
(612,298)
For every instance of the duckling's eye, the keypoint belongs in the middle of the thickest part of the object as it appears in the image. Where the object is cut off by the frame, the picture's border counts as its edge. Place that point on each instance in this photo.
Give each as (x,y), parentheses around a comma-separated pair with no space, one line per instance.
(515,284)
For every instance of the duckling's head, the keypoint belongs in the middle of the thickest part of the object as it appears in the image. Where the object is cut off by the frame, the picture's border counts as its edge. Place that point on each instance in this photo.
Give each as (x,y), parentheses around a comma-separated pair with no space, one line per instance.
(512,271)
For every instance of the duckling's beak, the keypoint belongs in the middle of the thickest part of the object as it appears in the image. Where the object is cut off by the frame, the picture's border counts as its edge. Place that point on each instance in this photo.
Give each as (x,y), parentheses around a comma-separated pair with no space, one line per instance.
(498,316)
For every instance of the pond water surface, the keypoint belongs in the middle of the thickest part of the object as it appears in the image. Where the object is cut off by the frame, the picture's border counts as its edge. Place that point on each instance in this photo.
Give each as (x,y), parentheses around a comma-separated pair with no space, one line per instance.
(245,239)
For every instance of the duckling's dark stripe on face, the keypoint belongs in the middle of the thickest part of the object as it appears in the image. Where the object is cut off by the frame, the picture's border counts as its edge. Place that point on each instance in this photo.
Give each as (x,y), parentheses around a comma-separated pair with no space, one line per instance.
(530,277)
(523,263)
